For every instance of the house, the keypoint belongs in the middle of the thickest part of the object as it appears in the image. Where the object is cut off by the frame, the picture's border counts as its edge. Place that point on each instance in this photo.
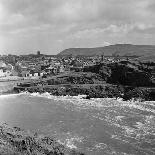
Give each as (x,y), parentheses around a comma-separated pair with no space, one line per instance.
(2,64)
(36,74)
(51,70)
(89,63)
(14,73)
(2,73)
(24,74)
(42,73)
(23,68)
(61,69)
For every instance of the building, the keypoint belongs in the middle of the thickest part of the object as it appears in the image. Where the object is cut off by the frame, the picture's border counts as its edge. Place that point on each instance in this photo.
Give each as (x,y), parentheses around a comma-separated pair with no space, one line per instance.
(61,69)
(38,53)
(2,73)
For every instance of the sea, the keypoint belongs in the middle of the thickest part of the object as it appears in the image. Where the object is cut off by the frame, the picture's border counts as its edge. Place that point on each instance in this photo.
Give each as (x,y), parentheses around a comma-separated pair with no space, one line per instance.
(104,126)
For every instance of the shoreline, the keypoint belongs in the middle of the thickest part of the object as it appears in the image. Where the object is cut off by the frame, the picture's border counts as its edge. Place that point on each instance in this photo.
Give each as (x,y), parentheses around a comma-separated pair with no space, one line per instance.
(89,91)
(94,91)
(80,96)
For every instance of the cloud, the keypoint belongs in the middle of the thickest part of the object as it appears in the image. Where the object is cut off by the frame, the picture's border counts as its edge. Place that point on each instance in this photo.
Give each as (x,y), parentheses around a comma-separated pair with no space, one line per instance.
(115,30)
(66,12)
(75,20)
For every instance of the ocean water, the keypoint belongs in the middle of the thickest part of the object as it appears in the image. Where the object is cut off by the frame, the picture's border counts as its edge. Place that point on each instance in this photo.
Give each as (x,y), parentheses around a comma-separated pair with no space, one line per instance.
(95,127)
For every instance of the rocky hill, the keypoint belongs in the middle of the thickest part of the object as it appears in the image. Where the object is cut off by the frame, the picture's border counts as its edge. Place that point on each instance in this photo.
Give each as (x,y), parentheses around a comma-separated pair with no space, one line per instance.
(118,49)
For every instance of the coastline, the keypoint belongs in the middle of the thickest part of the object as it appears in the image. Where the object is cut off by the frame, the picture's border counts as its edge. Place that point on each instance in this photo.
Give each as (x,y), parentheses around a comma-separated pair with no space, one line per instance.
(88,91)
(94,91)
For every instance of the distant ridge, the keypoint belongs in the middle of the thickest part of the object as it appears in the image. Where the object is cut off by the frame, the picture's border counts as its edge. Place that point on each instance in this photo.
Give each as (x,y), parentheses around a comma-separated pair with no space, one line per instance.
(118,49)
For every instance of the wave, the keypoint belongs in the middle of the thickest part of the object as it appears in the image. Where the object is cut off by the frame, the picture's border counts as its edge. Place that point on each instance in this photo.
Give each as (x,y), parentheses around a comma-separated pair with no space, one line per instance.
(99,103)
(48,95)
(70,142)
(148,106)
(11,95)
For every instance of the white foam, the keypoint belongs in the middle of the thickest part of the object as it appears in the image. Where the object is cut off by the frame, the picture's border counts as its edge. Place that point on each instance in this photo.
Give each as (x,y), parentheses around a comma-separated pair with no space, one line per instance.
(71,140)
(98,102)
(139,106)
(101,146)
(11,95)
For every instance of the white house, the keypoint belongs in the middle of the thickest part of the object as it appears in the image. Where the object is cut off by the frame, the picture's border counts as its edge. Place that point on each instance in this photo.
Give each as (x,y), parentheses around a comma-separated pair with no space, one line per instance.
(36,74)
(61,69)
(2,73)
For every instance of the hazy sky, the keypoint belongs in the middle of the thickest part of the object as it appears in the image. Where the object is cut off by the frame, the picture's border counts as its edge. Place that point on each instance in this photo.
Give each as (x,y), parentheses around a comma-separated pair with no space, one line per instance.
(53,25)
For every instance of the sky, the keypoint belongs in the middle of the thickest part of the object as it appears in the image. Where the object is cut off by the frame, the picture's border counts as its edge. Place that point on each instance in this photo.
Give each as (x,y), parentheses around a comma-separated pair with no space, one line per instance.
(51,26)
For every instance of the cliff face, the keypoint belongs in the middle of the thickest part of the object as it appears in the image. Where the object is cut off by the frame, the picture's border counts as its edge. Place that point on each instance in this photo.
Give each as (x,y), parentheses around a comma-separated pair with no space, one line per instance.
(14,141)
(118,49)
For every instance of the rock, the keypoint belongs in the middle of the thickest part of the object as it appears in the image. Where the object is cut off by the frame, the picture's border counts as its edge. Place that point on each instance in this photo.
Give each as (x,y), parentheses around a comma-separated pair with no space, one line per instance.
(129,75)
(14,141)
(137,94)
(125,73)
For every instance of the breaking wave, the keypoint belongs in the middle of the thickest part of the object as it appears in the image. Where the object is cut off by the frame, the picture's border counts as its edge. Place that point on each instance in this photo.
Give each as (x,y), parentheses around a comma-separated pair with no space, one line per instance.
(11,95)
(148,106)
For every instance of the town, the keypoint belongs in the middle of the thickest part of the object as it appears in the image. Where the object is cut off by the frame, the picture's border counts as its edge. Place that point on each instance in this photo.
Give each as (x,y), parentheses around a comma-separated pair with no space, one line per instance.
(34,66)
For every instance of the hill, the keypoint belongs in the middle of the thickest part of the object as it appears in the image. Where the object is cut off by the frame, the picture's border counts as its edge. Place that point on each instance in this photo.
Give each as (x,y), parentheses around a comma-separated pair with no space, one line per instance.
(119,49)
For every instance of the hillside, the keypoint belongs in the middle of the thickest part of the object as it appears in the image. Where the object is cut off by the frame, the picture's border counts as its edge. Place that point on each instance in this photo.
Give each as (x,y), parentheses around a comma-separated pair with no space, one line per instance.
(121,49)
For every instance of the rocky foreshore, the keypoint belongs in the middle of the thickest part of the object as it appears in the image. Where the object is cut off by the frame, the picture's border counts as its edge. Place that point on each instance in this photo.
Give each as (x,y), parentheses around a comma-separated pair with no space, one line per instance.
(96,91)
(14,141)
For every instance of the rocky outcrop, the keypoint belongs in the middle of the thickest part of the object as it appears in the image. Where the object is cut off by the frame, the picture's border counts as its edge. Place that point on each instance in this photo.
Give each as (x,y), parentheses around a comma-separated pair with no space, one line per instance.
(141,94)
(14,141)
(125,73)
(129,74)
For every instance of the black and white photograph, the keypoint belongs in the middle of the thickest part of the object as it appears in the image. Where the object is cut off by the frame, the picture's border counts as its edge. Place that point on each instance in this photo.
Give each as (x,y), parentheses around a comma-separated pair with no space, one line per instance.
(77,77)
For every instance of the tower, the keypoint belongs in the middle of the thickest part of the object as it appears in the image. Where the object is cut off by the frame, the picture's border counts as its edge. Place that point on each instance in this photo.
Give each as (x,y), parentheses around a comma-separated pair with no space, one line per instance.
(38,53)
